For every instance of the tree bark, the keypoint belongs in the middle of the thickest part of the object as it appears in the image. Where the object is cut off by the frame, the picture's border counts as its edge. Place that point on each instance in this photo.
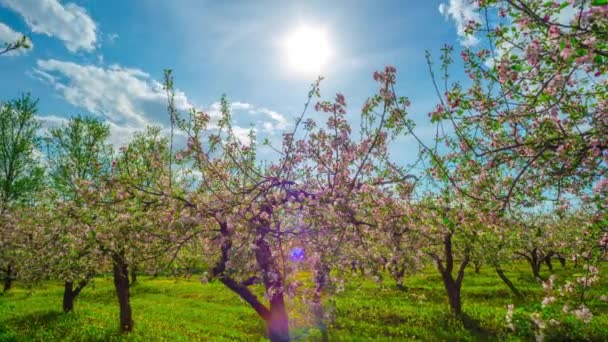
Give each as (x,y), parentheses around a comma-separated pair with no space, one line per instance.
(562,260)
(70,293)
(452,286)
(453,291)
(508,282)
(68,297)
(133,275)
(536,270)
(535,260)
(278,322)
(121,284)
(549,264)
(275,316)
(8,280)
(477,266)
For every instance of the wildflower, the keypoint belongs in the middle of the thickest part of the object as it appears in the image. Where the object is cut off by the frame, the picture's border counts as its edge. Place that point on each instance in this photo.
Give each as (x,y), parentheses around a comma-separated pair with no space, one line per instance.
(548,300)
(509,317)
(583,313)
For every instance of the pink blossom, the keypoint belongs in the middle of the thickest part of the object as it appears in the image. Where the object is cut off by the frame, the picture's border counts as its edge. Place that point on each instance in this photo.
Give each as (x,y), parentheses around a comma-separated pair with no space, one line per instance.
(340,99)
(566,51)
(554,31)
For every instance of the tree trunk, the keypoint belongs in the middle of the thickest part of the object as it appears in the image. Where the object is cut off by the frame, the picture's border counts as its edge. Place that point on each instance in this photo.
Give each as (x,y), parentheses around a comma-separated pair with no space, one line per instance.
(562,260)
(68,297)
(508,282)
(133,275)
(8,280)
(452,286)
(398,272)
(535,261)
(453,290)
(536,270)
(399,281)
(549,264)
(275,316)
(278,320)
(477,266)
(278,324)
(70,293)
(121,283)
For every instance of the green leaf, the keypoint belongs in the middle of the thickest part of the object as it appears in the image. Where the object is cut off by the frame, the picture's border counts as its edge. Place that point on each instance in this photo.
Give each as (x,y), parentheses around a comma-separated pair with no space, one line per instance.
(598,59)
(599,2)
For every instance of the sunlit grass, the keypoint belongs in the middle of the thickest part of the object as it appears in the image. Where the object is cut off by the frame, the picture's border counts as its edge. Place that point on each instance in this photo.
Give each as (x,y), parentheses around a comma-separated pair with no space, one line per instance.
(179,310)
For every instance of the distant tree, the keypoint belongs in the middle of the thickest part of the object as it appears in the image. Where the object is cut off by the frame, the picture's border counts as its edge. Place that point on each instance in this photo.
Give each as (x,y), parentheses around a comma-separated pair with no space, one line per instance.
(78,154)
(138,225)
(20,171)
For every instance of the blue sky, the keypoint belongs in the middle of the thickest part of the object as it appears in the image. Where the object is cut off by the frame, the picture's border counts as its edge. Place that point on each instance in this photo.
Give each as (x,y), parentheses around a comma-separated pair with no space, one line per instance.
(106,58)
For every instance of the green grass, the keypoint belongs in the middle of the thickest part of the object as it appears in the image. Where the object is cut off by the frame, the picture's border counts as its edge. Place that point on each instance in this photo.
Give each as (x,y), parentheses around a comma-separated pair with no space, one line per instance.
(169,310)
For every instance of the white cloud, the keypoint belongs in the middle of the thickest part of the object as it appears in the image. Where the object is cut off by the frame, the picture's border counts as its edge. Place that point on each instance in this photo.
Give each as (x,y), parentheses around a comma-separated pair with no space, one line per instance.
(240,105)
(129,99)
(462,12)
(263,119)
(242,134)
(280,122)
(69,23)
(49,121)
(8,35)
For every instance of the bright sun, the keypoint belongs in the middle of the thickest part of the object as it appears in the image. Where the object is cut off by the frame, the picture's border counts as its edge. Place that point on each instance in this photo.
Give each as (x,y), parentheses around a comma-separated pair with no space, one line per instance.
(307,50)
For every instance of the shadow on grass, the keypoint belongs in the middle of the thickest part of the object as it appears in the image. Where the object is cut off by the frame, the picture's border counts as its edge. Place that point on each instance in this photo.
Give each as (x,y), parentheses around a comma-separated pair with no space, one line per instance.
(36,325)
(35,320)
(475,328)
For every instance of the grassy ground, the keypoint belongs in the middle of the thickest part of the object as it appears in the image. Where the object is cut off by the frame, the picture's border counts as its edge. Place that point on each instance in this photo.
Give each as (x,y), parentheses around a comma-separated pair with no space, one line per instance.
(170,310)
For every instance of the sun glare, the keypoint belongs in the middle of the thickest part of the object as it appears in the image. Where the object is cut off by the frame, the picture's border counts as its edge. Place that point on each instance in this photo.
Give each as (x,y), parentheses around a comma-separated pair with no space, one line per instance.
(307,50)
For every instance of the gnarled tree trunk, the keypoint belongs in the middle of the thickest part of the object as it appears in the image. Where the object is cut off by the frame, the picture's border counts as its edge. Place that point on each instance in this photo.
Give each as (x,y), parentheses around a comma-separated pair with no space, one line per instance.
(535,258)
(278,322)
(452,285)
(275,316)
